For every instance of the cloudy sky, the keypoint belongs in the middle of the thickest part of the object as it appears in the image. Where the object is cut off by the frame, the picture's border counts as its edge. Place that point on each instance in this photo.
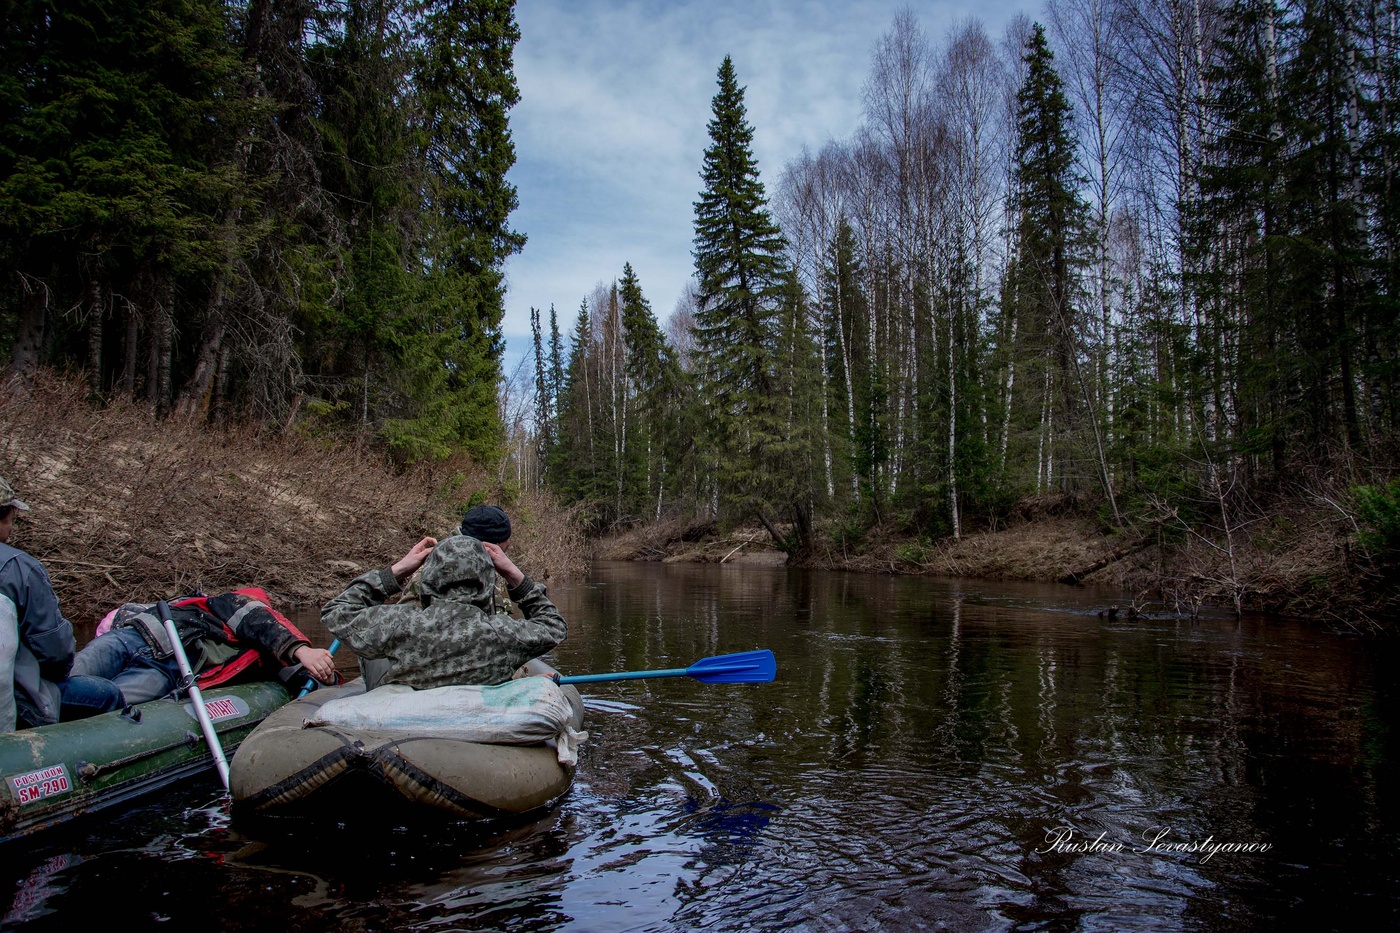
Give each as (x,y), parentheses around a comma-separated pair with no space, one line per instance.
(610,131)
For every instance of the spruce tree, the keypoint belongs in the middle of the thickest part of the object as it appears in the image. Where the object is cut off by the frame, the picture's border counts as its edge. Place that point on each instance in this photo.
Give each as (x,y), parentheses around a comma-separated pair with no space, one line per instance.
(367,166)
(556,364)
(742,274)
(544,392)
(464,82)
(113,121)
(654,374)
(1049,240)
(576,467)
(1326,254)
(1240,232)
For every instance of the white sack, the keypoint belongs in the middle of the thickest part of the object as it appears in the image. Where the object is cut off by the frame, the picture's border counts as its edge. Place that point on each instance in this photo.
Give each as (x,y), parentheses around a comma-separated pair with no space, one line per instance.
(522,711)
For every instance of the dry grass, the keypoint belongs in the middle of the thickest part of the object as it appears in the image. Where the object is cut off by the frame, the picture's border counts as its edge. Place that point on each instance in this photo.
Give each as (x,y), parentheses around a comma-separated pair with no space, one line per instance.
(125,507)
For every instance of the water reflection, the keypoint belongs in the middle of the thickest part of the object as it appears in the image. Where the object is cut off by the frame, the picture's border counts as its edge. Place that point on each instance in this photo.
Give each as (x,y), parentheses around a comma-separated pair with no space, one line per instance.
(926,741)
(932,753)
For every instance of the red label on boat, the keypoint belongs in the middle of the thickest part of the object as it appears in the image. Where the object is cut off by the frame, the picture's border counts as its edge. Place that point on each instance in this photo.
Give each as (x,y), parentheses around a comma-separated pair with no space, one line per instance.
(222,708)
(36,785)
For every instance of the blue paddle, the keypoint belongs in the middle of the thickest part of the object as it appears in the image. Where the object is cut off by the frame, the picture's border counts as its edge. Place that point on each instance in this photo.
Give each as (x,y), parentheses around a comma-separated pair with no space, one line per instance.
(746,667)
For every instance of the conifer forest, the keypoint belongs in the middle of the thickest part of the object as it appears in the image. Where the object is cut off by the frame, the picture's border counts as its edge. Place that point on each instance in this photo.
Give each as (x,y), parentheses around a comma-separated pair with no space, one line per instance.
(1141,255)
(275,209)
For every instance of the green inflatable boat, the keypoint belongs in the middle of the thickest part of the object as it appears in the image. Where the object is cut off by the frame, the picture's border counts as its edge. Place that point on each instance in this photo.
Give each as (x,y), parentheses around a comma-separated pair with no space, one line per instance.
(55,773)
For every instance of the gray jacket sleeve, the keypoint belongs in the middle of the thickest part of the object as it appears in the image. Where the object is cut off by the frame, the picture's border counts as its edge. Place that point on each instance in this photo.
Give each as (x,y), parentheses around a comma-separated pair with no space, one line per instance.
(42,628)
(358,615)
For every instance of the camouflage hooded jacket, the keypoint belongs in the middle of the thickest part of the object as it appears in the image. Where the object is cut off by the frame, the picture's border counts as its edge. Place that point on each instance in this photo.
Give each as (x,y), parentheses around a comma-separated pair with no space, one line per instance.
(455,636)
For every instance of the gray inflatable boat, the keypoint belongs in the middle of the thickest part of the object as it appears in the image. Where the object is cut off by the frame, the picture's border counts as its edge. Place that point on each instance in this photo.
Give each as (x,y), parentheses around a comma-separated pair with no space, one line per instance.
(283,767)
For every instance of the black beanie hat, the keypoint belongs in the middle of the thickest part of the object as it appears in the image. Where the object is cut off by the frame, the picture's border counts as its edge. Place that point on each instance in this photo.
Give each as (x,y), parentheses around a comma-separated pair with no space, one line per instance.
(486,523)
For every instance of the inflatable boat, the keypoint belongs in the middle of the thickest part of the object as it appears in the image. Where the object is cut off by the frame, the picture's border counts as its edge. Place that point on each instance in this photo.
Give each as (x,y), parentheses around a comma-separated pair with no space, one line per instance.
(292,766)
(54,773)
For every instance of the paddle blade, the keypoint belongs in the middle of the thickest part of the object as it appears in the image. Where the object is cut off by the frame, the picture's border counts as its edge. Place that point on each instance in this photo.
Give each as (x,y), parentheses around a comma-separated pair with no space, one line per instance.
(746,667)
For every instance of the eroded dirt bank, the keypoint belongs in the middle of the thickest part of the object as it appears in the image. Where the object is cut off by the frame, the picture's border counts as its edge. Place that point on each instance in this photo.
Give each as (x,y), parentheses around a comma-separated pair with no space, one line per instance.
(124,507)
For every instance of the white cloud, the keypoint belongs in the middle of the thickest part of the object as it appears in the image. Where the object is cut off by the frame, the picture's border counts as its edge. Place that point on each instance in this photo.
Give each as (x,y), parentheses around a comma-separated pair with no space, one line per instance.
(611,127)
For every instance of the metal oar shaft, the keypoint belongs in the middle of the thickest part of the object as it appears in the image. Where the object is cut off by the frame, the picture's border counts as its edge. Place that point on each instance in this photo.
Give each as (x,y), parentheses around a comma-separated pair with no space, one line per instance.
(196,698)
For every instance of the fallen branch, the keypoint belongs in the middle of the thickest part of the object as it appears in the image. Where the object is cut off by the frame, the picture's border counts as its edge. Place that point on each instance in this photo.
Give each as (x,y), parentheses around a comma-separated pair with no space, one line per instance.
(1075,577)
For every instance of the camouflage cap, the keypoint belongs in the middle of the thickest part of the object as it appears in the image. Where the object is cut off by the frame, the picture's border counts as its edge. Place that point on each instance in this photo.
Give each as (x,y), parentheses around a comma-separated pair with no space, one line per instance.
(7,496)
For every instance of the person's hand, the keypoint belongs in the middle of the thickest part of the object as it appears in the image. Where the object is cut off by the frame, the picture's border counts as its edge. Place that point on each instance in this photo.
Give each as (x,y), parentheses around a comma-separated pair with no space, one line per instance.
(414,559)
(318,662)
(504,566)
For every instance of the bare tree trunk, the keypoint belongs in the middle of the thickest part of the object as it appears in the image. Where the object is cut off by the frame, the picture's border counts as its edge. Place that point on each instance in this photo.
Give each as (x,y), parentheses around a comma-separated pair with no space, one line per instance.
(850,385)
(953,429)
(1045,459)
(128,378)
(158,373)
(94,337)
(223,379)
(29,333)
(197,392)
(1009,393)
(1105,473)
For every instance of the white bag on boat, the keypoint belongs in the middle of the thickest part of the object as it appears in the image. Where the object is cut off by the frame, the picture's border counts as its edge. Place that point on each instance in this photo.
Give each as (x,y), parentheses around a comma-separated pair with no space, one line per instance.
(522,711)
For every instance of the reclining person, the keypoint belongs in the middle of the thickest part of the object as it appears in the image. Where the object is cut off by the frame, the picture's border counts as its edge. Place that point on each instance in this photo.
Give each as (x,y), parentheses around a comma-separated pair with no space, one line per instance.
(228,637)
(454,635)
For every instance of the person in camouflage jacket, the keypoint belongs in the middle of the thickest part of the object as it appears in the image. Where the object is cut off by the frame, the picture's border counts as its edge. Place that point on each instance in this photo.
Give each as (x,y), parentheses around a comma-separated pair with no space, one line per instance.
(488,524)
(453,636)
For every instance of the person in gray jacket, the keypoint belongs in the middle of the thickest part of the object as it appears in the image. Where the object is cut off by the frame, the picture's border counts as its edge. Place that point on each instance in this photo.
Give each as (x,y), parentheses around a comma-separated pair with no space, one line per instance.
(37,644)
(453,635)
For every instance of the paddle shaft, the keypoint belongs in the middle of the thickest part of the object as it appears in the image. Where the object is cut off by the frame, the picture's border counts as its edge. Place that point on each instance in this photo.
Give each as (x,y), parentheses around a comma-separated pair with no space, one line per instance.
(622,675)
(745,667)
(196,698)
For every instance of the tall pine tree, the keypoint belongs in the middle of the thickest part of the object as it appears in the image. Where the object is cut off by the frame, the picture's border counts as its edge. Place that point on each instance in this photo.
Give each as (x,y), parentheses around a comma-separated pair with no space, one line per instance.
(742,273)
(1049,238)
(465,84)
(654,375)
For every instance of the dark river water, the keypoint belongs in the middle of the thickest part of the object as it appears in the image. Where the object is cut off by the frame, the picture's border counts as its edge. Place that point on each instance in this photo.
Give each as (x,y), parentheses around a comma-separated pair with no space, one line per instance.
(933,755)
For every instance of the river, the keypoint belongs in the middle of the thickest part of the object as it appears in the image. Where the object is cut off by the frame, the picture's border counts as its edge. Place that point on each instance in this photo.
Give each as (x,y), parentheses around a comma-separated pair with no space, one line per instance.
(933,754)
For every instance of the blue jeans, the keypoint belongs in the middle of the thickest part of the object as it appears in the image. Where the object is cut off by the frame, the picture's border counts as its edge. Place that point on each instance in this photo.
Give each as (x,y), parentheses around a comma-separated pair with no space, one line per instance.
(123,657)
(84,696)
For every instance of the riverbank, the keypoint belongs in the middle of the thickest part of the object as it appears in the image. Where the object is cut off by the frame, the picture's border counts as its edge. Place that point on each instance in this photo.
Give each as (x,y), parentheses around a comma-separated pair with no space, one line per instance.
(1300,561)
(127,508)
